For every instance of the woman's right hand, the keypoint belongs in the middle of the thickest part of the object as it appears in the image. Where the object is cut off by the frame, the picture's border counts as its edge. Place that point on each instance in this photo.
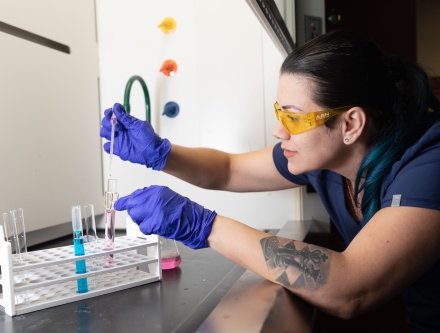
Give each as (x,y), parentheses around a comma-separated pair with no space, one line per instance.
(135,140)
(161,211)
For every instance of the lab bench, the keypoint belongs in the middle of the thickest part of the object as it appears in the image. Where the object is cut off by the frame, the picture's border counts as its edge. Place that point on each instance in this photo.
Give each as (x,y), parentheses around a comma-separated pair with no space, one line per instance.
(186,294)
(207,293)
(183,301)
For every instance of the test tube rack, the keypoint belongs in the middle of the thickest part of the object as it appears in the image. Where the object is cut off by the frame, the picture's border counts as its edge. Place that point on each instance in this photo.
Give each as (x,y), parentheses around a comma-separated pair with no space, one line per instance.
(48,278)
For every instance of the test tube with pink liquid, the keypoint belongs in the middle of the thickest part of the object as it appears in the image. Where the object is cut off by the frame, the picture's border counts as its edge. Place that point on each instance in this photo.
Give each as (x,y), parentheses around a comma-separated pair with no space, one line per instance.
(111,195)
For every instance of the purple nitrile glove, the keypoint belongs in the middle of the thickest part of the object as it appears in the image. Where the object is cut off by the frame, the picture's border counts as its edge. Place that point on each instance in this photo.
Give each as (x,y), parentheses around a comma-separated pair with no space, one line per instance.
(135,140)
(161,211)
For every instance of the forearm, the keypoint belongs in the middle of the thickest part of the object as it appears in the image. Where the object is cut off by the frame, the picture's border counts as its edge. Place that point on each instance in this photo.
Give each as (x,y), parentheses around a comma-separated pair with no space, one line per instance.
(311,272)
(203,167)
(213,169)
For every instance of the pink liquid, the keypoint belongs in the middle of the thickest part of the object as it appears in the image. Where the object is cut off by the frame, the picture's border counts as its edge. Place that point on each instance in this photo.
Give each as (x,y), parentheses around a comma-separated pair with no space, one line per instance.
(169,263)
(109,230)
(109,236)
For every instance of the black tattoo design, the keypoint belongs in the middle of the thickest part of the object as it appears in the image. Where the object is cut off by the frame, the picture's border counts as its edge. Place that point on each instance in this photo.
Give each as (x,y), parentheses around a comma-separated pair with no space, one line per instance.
(282,258)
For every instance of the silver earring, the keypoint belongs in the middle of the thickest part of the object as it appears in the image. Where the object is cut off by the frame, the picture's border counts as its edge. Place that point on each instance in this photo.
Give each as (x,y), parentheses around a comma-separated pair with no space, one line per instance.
(346,140)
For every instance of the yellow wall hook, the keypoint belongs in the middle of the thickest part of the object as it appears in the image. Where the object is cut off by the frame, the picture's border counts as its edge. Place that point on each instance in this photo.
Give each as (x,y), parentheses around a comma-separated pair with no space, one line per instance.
(168,25)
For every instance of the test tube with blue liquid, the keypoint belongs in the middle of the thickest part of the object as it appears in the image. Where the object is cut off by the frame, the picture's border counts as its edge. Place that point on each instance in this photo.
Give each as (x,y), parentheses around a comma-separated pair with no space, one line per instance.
(78,246)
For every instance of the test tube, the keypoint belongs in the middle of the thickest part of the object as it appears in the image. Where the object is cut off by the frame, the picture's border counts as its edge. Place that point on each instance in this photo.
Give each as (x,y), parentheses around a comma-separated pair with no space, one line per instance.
(20,233)
(22,230)
(9,233)
(110,198)
(91,237)
(15,234)
(92,242)
(15,231)
(78,247)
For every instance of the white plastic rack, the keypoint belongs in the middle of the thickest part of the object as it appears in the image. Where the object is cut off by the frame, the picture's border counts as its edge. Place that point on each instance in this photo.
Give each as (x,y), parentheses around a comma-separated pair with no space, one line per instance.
(47,278)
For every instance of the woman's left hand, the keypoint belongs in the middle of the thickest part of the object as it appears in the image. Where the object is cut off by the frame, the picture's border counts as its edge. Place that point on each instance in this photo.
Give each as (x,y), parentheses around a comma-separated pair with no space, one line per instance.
(161,211)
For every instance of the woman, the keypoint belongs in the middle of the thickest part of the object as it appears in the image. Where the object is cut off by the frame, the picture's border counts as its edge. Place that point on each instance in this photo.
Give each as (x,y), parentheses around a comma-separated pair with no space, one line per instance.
(363,129)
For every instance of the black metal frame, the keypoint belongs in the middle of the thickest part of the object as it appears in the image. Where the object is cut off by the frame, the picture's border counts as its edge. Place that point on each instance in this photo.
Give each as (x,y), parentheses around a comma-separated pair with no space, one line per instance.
(276,22)
(17,32)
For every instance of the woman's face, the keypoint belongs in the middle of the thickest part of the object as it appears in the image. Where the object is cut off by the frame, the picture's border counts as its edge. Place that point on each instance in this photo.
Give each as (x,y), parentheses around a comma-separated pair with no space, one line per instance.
(318,148)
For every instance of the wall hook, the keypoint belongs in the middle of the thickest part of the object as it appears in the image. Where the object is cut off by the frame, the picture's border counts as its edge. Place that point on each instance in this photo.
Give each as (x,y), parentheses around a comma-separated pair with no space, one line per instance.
(171,109)
(169,68)
(168,25)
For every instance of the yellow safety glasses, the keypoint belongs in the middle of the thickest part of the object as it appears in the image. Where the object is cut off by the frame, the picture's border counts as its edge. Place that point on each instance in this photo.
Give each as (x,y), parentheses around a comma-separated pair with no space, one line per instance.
(296,123)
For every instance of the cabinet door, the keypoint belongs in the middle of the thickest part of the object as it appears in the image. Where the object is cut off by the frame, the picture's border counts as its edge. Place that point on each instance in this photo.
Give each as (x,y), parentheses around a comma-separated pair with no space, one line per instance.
(50,119)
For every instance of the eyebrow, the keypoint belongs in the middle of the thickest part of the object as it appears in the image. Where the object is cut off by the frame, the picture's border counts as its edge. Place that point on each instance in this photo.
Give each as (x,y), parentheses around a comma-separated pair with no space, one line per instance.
(291,107)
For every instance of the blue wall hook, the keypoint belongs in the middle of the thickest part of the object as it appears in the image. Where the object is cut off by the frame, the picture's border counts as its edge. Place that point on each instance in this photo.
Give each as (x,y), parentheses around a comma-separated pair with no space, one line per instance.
(171,109)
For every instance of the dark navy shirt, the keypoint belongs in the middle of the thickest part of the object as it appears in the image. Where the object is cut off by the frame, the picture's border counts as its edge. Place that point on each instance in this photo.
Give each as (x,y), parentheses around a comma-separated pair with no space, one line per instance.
(416,178)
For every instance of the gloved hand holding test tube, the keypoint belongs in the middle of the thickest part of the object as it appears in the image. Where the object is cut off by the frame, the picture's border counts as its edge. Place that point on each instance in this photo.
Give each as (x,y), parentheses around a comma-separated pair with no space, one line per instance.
(134,140)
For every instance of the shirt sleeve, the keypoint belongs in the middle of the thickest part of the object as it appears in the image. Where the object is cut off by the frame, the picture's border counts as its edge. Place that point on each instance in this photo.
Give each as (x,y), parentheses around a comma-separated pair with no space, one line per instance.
(281,164)
(417,183)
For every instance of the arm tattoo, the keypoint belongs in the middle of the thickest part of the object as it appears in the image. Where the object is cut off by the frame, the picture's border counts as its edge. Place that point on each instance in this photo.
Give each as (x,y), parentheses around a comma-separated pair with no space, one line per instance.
(307,267)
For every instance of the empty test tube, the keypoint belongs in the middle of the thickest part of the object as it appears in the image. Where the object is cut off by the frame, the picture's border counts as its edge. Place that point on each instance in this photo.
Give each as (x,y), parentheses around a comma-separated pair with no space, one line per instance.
(91,240)
(17,219)
(78,247)
(91,237)
(9,234)
(16,235)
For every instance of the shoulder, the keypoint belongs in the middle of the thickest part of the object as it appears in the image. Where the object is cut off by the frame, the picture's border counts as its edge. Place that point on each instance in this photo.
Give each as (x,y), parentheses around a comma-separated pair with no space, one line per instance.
(415,177)
(426,148)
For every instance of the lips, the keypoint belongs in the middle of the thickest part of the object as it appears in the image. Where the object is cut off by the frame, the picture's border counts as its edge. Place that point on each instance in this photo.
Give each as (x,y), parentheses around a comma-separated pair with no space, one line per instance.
(289,153)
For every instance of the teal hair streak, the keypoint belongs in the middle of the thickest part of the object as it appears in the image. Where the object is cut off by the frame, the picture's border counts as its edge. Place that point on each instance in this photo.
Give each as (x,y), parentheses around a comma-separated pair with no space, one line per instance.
(410,122)
(374,167)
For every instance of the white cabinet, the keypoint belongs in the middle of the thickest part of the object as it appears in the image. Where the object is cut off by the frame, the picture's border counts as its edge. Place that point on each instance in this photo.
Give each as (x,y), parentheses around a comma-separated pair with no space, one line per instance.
(50,147)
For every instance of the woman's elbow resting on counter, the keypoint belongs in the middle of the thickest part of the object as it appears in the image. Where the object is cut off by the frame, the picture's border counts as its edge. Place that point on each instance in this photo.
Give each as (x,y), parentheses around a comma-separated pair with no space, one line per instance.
(346,307)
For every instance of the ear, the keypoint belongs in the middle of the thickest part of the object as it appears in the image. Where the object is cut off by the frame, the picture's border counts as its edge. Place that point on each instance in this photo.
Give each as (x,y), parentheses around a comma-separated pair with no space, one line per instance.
(354,121)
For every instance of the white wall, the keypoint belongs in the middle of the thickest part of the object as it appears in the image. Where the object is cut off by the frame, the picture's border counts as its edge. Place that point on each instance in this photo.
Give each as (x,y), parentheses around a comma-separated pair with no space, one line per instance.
(224,87)
(50,152)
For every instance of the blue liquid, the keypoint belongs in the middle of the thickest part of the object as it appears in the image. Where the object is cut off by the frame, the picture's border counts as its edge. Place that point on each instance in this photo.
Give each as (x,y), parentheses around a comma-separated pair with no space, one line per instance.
(78,246)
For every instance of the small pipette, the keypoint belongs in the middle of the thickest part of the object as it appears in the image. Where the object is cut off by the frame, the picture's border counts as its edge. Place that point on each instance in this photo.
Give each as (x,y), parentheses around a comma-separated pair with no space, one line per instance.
(113,121)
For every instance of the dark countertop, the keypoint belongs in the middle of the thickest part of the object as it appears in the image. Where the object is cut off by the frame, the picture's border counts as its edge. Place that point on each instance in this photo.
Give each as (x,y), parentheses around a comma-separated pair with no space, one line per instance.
(179,303)
(183,301)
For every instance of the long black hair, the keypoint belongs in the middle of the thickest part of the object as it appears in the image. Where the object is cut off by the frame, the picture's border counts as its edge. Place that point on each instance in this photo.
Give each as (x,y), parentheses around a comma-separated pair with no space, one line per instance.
(347,69)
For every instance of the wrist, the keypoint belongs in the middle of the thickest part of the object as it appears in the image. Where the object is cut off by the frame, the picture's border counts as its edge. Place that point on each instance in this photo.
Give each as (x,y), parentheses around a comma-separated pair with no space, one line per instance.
(207,230)
(211,237)
(160,155)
